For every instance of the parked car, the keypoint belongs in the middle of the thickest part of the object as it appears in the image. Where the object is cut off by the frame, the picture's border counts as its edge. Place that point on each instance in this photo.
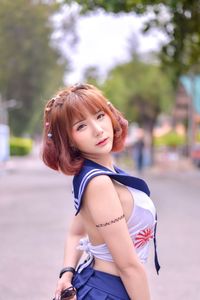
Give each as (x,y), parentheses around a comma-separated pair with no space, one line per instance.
(195,154)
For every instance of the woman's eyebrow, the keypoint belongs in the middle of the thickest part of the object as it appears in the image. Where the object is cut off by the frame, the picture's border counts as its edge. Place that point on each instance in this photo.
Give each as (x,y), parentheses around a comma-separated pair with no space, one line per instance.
(78,122)
(85,119)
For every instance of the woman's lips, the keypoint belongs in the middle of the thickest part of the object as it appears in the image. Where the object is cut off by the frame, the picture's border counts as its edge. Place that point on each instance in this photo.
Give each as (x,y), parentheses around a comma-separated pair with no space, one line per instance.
(102,142)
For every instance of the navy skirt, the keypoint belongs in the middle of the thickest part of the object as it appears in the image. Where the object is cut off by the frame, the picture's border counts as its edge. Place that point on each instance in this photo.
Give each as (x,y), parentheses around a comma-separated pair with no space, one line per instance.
(96,285)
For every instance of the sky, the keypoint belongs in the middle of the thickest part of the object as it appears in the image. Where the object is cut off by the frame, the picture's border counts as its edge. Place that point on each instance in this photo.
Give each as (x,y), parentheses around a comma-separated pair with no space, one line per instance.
(103,42)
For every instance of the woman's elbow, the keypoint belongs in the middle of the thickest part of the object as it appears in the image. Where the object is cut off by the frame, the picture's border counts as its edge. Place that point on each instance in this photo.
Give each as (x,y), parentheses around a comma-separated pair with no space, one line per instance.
(130,267)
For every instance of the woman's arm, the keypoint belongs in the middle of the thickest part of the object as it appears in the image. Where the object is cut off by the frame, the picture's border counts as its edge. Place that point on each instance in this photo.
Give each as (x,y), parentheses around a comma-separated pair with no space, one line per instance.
(71,254)
(103,204)
(76,231)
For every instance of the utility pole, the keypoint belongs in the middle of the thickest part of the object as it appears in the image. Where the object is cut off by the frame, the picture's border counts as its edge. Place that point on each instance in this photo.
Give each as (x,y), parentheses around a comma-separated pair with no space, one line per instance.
(4,128)
(191,116)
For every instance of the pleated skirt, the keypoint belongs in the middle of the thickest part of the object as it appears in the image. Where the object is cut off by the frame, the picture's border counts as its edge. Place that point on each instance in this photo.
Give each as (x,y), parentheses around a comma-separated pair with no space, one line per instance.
(96,285)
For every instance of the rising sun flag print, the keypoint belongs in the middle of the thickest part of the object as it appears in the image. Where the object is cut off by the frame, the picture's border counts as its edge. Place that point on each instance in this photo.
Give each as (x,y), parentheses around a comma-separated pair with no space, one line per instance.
(143,237)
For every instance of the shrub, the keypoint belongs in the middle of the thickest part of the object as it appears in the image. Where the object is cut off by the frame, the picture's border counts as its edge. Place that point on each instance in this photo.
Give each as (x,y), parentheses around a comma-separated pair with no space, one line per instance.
(170,139)
(20,146)
(198,137)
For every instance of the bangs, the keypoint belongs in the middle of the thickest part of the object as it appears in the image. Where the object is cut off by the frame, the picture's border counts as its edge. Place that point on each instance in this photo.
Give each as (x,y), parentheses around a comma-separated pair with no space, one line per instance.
(80,105)
(69,105)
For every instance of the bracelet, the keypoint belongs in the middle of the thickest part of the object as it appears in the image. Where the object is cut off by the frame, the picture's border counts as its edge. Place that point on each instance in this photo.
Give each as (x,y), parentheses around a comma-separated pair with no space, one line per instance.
(67,269)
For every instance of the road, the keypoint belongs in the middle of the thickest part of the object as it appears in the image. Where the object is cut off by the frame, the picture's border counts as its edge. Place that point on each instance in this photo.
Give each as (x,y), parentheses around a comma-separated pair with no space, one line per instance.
(35,210)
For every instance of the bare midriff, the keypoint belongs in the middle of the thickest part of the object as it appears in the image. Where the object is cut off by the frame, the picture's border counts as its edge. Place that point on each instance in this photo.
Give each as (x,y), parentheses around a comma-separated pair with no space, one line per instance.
(105,266)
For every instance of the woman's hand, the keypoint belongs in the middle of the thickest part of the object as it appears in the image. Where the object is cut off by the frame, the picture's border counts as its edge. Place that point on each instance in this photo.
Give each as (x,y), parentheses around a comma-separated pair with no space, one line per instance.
(63,283)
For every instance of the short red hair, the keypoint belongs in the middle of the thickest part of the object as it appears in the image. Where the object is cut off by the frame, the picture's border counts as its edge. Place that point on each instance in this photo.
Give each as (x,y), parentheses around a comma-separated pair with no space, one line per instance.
(60,111)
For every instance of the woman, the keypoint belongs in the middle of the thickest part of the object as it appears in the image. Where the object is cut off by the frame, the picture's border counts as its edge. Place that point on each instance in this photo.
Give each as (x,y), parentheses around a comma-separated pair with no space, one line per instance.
(115,218)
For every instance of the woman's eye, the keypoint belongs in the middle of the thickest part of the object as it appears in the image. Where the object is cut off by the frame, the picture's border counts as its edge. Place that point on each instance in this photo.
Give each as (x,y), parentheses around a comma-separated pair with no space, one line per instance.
(101,115)
(81,126)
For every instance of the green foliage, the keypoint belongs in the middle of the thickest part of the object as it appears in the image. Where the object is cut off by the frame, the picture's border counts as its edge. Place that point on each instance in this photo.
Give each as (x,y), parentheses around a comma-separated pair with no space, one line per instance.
(91,75)
(171,139)
(110,6)
(179,20)
(31,68)
(198,137)
(20,146)
(140,90)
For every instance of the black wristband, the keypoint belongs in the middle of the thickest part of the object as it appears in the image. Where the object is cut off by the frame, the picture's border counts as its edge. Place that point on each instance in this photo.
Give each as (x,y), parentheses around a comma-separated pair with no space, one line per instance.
(67,269)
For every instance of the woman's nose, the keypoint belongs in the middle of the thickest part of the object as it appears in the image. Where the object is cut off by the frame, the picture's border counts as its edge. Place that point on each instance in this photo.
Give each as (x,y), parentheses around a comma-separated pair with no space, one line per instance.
(97,129)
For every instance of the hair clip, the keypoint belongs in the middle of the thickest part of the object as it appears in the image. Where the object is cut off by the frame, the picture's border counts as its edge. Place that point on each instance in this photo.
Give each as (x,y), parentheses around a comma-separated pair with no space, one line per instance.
(56,98)
(109,103)
(49,135)
(59,103)
(47,124)
(78,86)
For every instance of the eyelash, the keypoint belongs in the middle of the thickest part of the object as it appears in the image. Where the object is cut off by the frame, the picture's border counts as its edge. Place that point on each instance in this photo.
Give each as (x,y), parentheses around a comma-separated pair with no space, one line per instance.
(80,127)
(99,116)
(102,114)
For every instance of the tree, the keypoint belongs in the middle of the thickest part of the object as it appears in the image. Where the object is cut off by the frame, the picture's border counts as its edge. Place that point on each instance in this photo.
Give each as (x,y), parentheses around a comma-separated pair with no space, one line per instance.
(179,20)
(91,75)
(31,68)
(140,90)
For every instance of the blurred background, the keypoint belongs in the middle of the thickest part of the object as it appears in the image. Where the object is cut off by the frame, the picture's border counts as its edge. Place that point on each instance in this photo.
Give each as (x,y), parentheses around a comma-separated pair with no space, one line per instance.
(145,56)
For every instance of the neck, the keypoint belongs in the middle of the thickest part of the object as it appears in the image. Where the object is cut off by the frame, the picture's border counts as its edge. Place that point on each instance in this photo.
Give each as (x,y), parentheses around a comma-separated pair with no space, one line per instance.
(106,161)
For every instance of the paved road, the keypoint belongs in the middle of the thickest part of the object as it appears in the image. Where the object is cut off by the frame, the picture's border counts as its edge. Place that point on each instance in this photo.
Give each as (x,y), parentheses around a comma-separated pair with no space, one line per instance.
(35,209)
(177,197)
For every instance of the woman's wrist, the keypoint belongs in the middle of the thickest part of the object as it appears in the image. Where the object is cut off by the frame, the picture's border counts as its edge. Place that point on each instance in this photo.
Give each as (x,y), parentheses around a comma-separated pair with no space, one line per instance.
(70,271)
(67,278)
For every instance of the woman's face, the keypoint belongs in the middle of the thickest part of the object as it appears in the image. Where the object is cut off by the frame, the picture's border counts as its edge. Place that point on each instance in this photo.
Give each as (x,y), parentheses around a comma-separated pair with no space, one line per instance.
(93,135)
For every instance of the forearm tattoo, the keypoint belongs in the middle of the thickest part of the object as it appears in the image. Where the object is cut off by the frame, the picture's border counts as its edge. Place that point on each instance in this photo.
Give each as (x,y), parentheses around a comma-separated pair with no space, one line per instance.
(111,222)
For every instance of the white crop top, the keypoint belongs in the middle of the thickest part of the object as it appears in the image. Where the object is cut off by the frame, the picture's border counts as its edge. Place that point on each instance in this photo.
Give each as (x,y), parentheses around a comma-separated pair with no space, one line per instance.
(140,224)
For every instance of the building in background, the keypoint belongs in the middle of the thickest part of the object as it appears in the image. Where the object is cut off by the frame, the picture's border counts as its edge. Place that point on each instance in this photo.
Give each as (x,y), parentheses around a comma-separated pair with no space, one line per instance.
(187,111)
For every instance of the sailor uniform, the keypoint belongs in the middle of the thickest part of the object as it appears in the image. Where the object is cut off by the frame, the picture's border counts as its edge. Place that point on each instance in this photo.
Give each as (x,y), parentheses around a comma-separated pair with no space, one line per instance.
(142,223)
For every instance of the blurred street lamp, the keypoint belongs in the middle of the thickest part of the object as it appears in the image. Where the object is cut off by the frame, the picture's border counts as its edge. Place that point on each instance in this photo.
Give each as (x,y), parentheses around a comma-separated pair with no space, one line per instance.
(4,107)
(4,127)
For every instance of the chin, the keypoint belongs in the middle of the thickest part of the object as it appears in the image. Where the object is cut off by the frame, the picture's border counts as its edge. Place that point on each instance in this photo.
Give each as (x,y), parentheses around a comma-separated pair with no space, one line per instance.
(106,150)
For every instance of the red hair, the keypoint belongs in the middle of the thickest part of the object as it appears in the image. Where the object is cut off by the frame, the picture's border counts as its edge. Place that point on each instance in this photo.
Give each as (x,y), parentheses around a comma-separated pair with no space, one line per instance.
(60,111)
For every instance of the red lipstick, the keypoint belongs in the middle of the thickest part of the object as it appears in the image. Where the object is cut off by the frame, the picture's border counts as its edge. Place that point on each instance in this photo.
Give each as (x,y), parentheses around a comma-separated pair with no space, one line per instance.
(102,142)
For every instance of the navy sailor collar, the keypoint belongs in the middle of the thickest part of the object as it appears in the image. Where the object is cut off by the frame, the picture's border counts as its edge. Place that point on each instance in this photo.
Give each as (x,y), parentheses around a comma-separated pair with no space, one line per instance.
(91,169)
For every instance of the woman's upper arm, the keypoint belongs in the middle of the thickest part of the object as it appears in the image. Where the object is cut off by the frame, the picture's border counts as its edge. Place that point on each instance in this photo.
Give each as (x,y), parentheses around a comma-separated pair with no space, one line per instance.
(77,226)
(104,206)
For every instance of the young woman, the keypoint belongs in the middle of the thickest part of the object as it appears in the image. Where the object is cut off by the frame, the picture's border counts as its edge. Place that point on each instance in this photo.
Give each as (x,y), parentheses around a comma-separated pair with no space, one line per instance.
(115,218)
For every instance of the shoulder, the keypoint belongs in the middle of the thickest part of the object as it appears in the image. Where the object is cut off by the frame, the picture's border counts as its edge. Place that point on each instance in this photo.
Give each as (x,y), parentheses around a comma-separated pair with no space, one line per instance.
(101,196)
(99,183)
(84,177)
(88,175)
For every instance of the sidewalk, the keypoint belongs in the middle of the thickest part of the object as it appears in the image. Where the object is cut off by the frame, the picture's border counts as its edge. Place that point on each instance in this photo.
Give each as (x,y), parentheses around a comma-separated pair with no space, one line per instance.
(23,162)
(168,167)
(36,206)
(180,169)
(19,163)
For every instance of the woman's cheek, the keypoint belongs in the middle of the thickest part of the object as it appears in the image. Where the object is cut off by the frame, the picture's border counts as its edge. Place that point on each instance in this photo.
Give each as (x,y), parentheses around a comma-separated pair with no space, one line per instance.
(81,141)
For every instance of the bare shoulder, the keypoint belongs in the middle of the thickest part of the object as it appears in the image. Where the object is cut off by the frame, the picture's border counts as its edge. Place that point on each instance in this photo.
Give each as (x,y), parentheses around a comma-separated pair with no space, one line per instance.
(101,194)
(101,183)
